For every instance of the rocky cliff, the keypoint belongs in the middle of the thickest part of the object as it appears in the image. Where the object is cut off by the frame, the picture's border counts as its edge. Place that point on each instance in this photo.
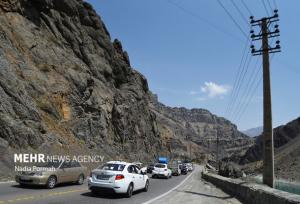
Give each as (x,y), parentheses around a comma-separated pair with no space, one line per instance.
(64,85)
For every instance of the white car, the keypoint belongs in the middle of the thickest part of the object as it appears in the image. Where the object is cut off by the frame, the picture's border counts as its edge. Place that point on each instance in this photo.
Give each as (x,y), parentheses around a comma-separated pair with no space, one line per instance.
(190,166)
(161,170)
(118,177)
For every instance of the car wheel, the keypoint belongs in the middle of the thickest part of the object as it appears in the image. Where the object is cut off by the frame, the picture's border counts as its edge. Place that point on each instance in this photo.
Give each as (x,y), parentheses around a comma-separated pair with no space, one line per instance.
(146,186)
(129,191)
(80,179)
(51,182)
(22,184)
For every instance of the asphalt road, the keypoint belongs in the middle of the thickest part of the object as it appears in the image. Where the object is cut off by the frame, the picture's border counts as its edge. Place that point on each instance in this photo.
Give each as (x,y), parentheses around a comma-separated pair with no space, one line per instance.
(71,194)
(197,191)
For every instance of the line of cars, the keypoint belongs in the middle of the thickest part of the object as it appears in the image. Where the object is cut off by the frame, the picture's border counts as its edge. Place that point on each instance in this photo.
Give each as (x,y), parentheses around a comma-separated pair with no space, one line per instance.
(114,176)
(175,168)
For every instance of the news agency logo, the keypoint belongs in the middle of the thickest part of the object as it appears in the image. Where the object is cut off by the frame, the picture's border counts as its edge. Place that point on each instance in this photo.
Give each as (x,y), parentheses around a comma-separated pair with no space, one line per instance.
(42,158)
(29,158)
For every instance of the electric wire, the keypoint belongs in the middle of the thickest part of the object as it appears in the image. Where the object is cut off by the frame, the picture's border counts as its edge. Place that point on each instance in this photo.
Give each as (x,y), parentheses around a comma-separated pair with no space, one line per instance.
(244,72)
(236,77)
(264,4)
(247,8)
(248,89)
(270,6)
(204,20)
(253,92)
(275,4)
(246,63)
(237,84)
(240,12)
(233,20)
(251,81)
(240,70)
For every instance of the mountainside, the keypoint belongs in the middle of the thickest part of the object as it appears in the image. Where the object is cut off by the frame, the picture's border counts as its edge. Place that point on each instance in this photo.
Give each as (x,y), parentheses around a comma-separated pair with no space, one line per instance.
(203,129)
(287,150)
(66,88)
(253,132)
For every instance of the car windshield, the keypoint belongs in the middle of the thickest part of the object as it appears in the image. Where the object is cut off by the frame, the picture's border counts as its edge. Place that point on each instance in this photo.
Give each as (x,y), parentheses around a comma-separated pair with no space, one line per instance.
(160,166)
(50,164)
(113,167)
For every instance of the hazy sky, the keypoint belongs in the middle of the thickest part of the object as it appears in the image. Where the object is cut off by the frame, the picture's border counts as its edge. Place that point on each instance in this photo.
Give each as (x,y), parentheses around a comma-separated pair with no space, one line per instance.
(190,51)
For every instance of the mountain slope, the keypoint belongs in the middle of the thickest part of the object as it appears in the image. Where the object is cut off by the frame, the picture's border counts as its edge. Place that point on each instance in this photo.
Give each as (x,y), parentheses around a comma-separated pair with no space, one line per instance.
(287,150)
(253,132)
(203,129)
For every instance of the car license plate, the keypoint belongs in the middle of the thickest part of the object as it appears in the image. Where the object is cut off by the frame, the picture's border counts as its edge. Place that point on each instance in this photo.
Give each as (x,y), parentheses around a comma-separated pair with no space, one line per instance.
(103,177)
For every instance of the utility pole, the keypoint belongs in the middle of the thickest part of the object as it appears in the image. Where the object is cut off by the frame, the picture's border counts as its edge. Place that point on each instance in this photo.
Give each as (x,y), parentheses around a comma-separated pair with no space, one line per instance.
(217,156)
(190,150)
(264,35)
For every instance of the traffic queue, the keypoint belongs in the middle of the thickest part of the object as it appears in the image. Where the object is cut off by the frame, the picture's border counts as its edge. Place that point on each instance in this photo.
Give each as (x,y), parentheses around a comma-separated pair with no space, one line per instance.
(113,177)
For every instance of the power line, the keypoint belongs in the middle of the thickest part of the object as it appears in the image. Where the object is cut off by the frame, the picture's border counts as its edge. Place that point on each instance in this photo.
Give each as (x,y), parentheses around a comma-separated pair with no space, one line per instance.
(248,88)
(250,99)
(237,86)
(246,63)
(237,76)
(274,1)
(247,8)
(245,70)
(204,20)
(270,6)
(252,94)
(240,12)
(264,4)
(231,17)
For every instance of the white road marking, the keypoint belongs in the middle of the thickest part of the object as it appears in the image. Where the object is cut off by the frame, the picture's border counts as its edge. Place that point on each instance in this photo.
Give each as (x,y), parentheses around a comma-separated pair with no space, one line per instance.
(166,193)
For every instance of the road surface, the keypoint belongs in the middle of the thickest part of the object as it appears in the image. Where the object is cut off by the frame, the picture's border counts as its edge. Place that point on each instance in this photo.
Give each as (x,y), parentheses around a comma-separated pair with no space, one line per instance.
(179,189)
(197,191)
(71,194)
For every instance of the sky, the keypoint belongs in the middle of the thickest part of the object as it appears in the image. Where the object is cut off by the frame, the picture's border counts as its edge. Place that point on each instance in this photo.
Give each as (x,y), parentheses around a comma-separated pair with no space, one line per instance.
(190,51)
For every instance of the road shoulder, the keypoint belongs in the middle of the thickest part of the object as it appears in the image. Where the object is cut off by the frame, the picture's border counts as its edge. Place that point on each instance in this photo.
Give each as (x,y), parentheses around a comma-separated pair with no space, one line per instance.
(196,190)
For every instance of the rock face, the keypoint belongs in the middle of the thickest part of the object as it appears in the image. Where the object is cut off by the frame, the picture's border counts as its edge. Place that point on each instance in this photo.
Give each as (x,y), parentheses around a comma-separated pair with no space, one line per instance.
(287,150)
(230,169)
(66,87)
(64,83)
(202,128)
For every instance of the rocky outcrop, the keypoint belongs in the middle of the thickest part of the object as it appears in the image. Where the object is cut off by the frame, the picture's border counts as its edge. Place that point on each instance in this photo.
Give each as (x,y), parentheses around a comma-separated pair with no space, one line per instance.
(199,131)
